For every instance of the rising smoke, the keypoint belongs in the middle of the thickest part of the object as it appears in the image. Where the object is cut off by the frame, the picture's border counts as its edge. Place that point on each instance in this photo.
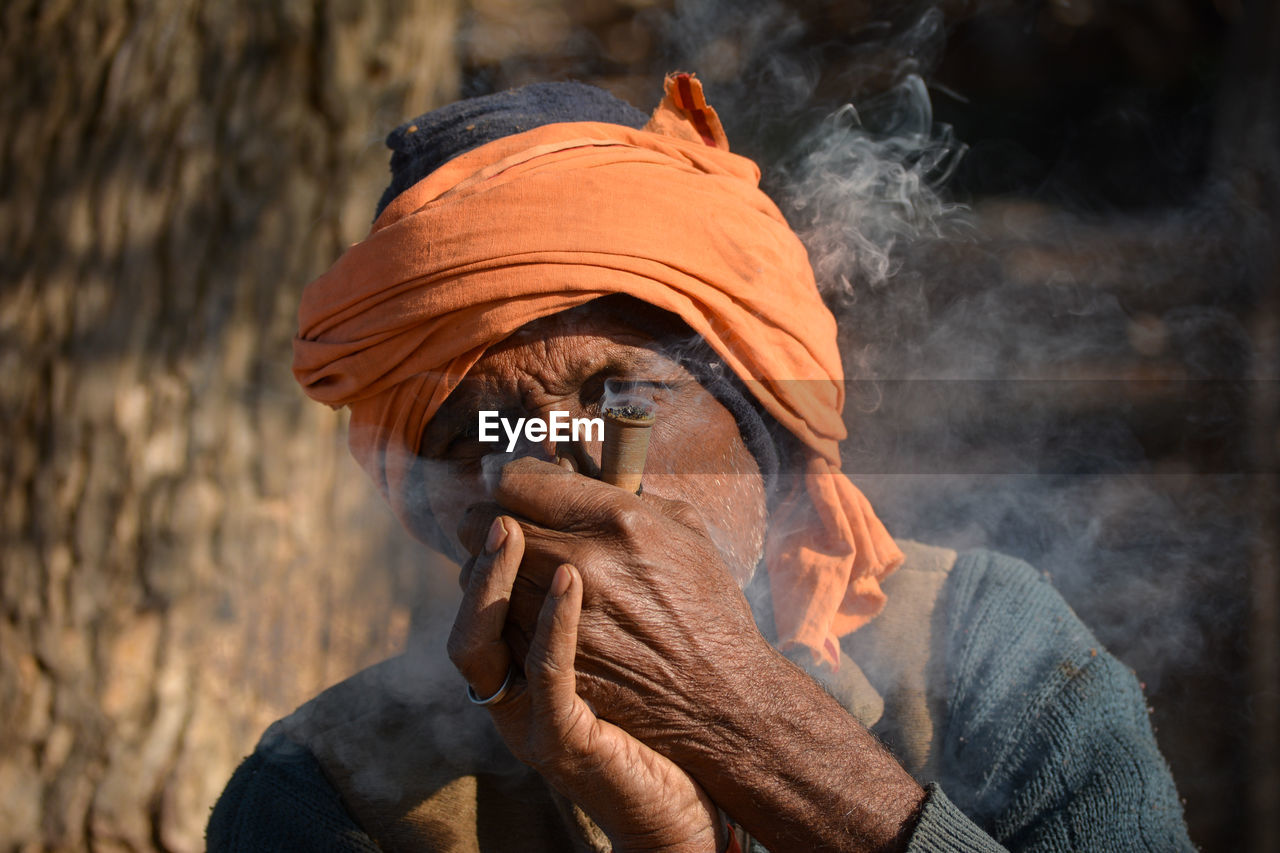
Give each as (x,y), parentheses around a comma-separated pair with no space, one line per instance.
(1001,356)
(1005,359)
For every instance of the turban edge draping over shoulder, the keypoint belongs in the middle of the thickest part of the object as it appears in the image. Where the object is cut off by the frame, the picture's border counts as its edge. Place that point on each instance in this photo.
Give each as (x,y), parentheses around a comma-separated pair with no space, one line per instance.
(541,221)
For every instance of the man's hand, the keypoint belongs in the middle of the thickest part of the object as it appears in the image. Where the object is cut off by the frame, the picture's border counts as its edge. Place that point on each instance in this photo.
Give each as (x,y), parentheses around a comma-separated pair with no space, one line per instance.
(640,799)
(668,651)
(667,638)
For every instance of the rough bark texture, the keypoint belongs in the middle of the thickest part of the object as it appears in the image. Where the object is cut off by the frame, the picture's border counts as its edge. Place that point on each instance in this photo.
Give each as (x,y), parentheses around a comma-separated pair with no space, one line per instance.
(178,568)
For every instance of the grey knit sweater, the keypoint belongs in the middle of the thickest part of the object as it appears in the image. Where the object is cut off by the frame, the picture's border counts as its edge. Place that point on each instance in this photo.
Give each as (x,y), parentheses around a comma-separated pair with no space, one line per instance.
(1044,742)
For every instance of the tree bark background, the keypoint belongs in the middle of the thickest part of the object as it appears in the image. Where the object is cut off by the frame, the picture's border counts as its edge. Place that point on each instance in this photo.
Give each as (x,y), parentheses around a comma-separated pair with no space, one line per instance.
(187,551)
(178,566)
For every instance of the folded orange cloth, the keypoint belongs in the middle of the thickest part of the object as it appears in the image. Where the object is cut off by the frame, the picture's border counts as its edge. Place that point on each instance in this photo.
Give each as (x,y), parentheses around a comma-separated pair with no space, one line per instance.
(533,224)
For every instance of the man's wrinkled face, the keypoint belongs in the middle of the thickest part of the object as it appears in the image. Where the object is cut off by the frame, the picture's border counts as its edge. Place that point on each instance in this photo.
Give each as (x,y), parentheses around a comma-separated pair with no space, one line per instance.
(565,363)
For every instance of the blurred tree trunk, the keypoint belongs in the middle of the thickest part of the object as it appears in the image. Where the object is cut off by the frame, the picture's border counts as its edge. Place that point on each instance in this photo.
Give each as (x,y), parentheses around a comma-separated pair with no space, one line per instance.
(178,564)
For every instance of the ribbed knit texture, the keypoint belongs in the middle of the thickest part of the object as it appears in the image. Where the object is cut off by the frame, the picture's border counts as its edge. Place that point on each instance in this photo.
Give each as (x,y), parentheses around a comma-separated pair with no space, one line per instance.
(943,828)
(278,800)
(421,145)
(1046,744)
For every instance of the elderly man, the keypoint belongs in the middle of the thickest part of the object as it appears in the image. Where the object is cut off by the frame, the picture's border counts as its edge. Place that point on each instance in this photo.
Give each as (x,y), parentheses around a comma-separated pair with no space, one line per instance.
(536,250)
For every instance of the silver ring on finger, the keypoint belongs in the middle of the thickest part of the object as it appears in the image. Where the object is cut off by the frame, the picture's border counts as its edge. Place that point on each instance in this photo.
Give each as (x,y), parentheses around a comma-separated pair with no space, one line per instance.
(497,696)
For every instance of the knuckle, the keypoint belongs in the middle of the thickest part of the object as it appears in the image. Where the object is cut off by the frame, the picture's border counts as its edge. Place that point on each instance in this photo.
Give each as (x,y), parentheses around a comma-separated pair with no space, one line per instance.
(459,649)
(626,521)
(549,670)
(540,668)
(686,515)
(578,730)
(510,474)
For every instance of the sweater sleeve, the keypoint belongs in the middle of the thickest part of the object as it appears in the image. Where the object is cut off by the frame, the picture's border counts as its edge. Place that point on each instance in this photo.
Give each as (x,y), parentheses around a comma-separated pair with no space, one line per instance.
(279,800)
(1047,744)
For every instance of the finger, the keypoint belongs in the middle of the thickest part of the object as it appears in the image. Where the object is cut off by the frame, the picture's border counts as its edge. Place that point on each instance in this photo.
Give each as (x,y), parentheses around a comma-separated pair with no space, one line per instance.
(583,462)
(527,597)
(544,551)
(464,573)
(553,497)
(476,645)
(541,556)
(680,512)
(549,665)
(475,525)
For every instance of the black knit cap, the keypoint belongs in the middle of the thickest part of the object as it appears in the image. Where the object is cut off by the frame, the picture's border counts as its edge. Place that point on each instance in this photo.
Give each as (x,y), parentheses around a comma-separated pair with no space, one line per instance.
(422,145)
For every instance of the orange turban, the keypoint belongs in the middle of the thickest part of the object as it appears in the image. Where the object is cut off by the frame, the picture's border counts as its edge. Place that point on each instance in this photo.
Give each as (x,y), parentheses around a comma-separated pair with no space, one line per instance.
(529,225)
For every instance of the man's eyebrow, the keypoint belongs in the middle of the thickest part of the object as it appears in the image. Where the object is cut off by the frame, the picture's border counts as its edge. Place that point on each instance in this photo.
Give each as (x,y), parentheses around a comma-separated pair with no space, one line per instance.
(647,358)
(470,397)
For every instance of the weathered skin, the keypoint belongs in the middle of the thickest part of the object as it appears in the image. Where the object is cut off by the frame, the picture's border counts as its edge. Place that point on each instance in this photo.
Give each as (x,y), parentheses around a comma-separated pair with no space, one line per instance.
(674,700)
